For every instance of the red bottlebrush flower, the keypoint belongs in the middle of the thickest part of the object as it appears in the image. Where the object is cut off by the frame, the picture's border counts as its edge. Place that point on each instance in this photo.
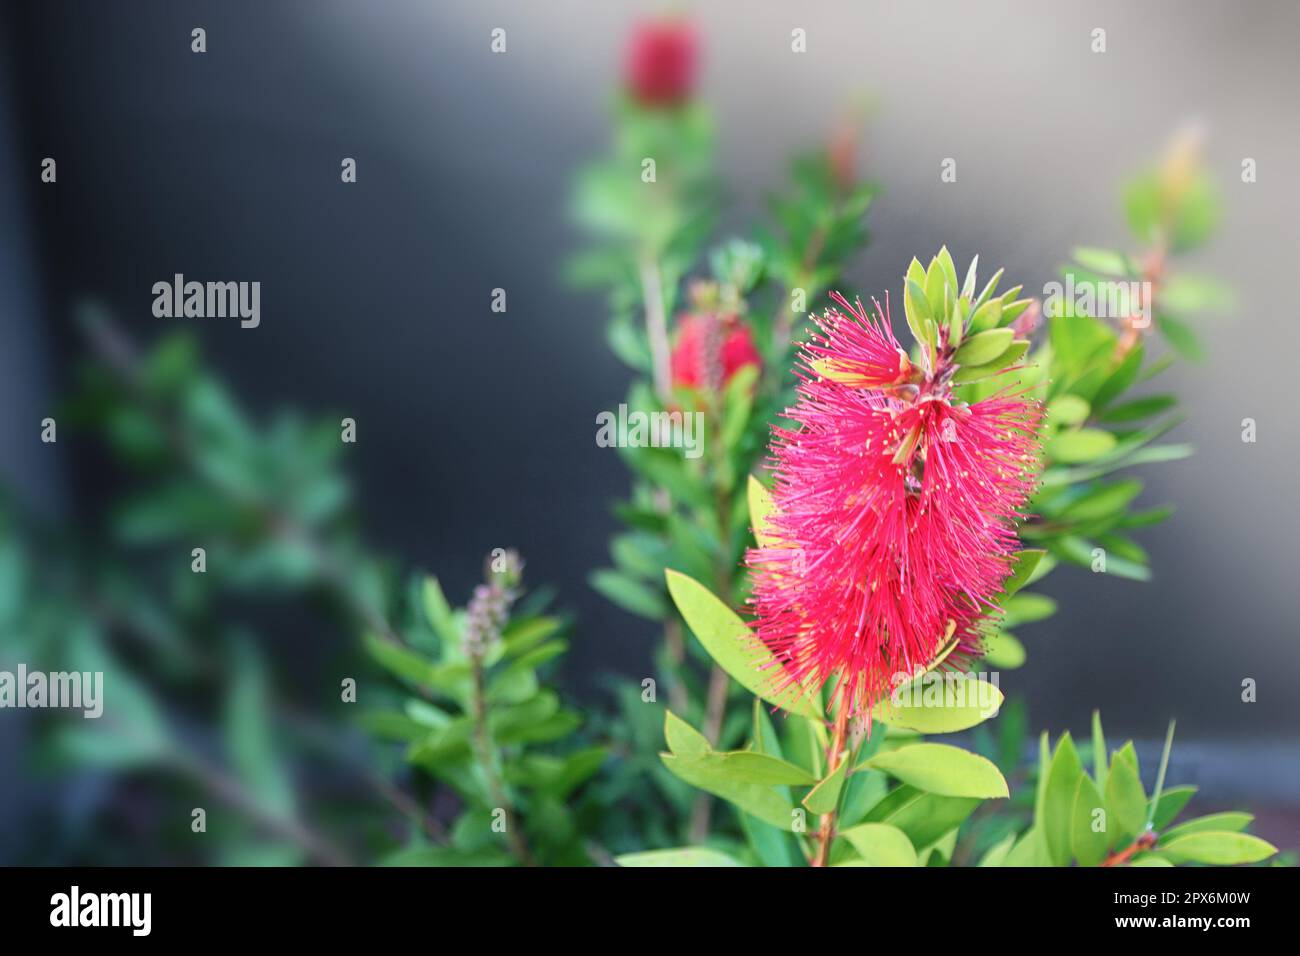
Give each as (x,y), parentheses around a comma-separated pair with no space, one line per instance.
(895,510)
(711,349)
(863,354)
(661,62)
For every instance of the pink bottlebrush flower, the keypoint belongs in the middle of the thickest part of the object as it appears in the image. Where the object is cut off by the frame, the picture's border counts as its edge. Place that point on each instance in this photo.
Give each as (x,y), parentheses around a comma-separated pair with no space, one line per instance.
(895,511)
(661,62)
(711,349)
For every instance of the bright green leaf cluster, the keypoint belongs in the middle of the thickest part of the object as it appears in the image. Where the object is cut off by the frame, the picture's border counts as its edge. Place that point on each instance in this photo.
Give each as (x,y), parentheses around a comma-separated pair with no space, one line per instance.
(489,729)
(1106,817)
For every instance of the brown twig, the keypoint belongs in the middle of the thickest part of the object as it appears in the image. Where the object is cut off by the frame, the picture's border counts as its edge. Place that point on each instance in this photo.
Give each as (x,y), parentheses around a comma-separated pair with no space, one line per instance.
(229,790)
(833,757)
(1145,842)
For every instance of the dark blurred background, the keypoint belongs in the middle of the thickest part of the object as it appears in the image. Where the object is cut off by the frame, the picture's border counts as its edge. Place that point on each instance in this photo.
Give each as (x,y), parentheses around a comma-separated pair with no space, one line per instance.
(476,429)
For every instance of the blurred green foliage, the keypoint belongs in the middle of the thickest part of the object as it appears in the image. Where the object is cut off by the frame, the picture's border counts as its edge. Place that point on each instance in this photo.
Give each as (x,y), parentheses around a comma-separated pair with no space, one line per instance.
(206,707)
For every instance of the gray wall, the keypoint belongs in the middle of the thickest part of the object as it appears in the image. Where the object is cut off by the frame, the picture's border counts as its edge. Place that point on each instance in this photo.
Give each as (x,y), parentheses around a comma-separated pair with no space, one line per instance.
(479,427)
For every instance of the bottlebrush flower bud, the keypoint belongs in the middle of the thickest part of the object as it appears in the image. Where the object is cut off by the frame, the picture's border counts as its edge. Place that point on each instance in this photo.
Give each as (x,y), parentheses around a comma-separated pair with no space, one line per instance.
(661,62)
(711,349)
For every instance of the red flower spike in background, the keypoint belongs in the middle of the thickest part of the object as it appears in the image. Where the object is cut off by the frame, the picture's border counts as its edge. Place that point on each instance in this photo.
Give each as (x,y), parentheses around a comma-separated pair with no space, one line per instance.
(895,512)
(661,62)
(711,349)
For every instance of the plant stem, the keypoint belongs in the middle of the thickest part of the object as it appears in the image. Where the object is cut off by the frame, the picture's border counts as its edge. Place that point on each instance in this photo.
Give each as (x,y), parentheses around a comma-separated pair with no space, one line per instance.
(833,757)
(228,789)
(715,711)
(487,759)
(1145,842)
(715,708)
(656,327)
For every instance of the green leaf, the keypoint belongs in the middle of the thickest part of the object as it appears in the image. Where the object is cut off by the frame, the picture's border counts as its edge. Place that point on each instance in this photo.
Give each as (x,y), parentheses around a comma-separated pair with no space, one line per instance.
(986,295)
(957,321)
(824,797)
(972,273)
(1217,848)
(1126,801)
(1026,562)
(765,738)
(1160,773)
(773,847)
(438,612)
(1105,261)
(1121,379)
(756,799)
(1190,293)
(917,309)
(1104,500)
(575,769)
(1138,408)
(996,855)
(512,686)
(1031,850)
(682,738)
(862,791)
(936,703)
(1181,336)
(639,554)
(1231,821)
(942,770)
(1068,410)
(747,766)
(248,724)
(949,270)
(1099,763)
(983,347)
(389,725)
(761,507)
(1088,845)
(1025,608)
(521,635)
(924,817)
(132,730)
(879,844)
(935,283)
(1057,810)
(1044,765)
(1082,445)
(402,661)
(629,594)
(1170,804)
(974,373)
(738,403)
(1004,651)
(1013,308)
(986,316)
(731,644)
(682,856)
